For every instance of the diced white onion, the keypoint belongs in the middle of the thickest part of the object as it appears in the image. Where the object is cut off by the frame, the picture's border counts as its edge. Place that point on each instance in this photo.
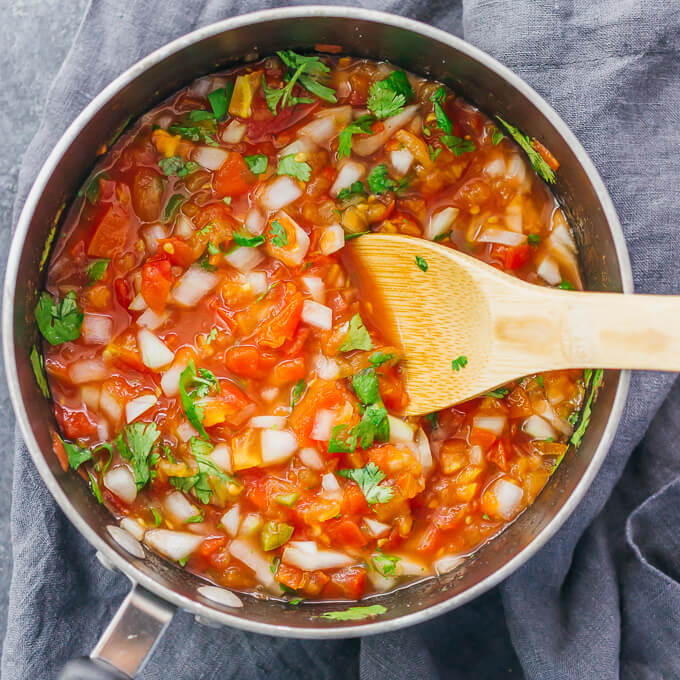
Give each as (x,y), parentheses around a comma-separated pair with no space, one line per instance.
(201,87)
(303,145)
(210,157)
(317,315)
(277,446)
(185,431)
(138,303)
(508,496)
(90,394)
(184,227)
(111,406)
(380,583)
(332,239)
(327,368)
(149,319)
(231,520)
(401,160)
(234,132)
(349,172)
(561,234)
(407,566)
(178,507)
(251,555)
(441,222)
(400,431)
(257,282)
(309,547)
(495,168)
(152,234)
(447,563)
(251,524)
(135,408)
(495,424)
(170,379)
(516,168)
(320,130)
(315,286)
(126,541)
(102,429)
(96,329)
(244,259)
(221,456)
(221,596)
(255,221)
(269,393)
(324,420)
(538,427)
(176,545)
(549,271)
(311,458)
(321,559)
(424,450)
(374,528)
(268,422)
(87,370)
(369,144)
(329,483)
(155,354)
(342,114)
(513,216)
(502,236)
(120,481)
(195,283)
(282,191)
(133,527)
(476,455)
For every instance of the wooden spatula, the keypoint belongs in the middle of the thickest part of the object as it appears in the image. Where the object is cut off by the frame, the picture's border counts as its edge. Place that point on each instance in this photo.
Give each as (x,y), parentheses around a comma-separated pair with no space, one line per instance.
(503,328)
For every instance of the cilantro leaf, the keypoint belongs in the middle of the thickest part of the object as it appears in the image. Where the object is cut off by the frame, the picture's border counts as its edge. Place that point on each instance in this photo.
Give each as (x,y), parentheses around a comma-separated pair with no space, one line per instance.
(385,564)
(534,239)
(498,393)
(58,321)
(459,362)
(199,115)
(398,82)
(92,188)
(566,285)
(197,133)
(380,358)
(383,101)
(297,392)
(434,153)
(220,99)
(336,444)
(497,137)
(38,366)
(368,478)
(361,125)
(248,241)
(442,119)
(257,163)
(203,382)
(76,454)
(294,60)
(357,336)
(170,166)
(96,270)
(298,169)
(366,385)
(94,484)
(316,88)
(279,235)
(134,443)
(195,519)
(379,181)
(458,145)
(439,95)
(421,262)
(577,437)
(349,237)
(355,189)
(157,517)
(355,613)
(433,419)
(535,158)
(373,425)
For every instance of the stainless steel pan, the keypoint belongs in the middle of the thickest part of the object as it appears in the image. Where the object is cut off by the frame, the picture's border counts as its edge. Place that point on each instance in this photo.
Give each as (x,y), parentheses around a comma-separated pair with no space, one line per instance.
(157,586)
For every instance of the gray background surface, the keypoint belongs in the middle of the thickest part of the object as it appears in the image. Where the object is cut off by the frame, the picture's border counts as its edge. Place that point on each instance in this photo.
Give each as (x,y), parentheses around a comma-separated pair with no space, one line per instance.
(35,35)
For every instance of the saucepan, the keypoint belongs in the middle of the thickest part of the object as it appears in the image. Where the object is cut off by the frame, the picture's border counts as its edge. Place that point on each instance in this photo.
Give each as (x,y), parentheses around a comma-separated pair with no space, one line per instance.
(158,588)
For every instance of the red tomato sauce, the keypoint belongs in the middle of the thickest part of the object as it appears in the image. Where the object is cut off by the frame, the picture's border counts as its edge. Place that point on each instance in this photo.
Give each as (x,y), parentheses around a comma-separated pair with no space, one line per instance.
(228,392)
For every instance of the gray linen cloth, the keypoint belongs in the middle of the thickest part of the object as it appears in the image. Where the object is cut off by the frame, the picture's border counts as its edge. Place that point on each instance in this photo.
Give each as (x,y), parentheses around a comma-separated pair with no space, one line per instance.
(602,598)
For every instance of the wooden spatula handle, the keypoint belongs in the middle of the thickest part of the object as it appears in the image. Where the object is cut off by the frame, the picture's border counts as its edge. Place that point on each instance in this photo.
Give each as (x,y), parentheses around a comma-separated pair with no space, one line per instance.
(563,329)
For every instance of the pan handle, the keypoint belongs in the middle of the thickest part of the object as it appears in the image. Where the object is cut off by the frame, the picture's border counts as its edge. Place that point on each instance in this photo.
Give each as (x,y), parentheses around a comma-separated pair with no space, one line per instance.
(127,642)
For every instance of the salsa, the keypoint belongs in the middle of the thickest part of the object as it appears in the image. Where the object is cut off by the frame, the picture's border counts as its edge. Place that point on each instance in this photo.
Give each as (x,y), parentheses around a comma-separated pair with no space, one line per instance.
(219,380)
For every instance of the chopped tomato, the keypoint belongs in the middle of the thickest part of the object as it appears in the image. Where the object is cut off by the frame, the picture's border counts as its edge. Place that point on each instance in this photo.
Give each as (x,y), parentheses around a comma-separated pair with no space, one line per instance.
(233,177)
(345,533)
(74,424)
(289,370)
(354,501)
(349,582)
(283,323)
(248,361)
(483,438)
(111,233)
(176,250)
(59,451)
(321,394)
(498,454)
(123,292)
(512,257)
(210,545)
(156,282)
